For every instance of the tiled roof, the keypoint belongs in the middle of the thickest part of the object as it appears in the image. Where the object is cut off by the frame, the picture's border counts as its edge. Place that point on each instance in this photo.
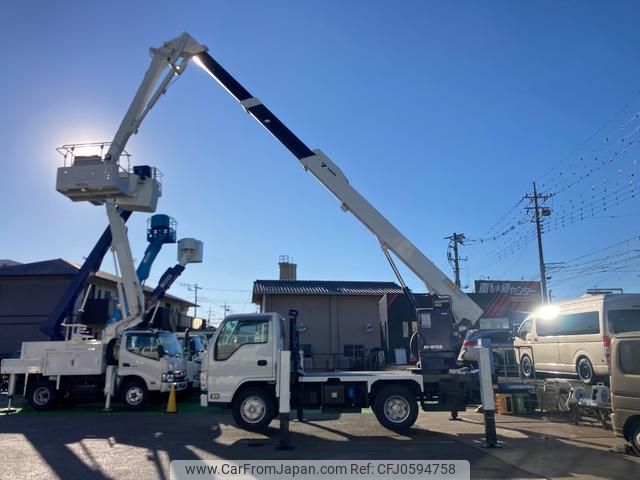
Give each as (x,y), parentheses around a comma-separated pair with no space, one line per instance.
(55,267)
(322,287)
(59,267)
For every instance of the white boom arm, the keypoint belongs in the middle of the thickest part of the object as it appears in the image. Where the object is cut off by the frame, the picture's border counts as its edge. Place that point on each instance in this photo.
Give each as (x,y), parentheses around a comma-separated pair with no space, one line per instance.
(103,180)
(328,173)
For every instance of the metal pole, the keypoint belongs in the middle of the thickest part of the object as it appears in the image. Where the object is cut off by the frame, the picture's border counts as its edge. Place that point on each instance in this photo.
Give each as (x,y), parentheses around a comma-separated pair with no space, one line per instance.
(456,259)
(543,270)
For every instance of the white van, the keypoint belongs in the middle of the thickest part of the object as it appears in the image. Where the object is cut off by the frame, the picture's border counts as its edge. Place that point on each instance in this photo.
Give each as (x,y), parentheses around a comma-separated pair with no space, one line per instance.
(574,337)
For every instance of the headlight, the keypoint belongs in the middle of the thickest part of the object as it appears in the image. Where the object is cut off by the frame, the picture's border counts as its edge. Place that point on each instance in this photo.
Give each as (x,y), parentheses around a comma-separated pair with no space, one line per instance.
(168,377)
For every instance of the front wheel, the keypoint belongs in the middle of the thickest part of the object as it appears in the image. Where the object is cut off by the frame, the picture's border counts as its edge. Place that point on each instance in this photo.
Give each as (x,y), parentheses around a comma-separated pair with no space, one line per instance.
(134,394)
(253,409)
(396,408)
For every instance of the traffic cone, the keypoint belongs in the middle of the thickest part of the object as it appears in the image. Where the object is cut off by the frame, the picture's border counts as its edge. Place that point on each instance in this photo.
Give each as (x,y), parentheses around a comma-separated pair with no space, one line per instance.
(171,404)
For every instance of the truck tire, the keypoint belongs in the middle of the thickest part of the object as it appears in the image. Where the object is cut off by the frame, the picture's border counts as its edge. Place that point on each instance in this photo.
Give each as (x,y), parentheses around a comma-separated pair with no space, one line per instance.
(635,440)
(134,394)
(396,408)
(526,366)
(253,409)
(585,371)
(43,395)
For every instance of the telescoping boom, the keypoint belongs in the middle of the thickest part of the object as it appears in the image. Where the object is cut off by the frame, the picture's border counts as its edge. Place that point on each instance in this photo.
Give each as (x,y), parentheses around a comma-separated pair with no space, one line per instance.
(330,175)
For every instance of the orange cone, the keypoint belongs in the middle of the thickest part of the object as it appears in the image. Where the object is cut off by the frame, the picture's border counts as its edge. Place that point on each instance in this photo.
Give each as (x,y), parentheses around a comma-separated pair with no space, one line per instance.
(171,404)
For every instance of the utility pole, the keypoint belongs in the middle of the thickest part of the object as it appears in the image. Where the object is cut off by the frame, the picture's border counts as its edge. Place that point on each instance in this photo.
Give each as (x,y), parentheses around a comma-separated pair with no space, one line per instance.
(225,309)
(540,212)
(193,287)
(455,240)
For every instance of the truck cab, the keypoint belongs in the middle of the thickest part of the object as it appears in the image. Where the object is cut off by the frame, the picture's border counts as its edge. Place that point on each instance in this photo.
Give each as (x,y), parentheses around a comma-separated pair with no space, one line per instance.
(146,356)
(194,346)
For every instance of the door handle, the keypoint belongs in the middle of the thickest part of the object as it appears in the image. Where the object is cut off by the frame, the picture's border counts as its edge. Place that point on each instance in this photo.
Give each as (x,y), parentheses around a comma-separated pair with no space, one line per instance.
(262,363)
(126,365)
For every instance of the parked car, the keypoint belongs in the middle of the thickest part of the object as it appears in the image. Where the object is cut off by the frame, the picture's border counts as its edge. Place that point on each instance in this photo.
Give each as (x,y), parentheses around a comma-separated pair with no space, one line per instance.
(501,340)
(574,337)
(625,388)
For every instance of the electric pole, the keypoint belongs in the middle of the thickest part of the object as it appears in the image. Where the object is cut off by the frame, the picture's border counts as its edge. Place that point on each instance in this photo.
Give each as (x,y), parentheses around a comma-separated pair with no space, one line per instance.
(539,212)
(225,309)
(455,240)
(193,287)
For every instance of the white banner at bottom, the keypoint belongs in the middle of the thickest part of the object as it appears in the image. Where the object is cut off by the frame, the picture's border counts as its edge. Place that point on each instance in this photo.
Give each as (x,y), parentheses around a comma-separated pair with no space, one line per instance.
(319,469)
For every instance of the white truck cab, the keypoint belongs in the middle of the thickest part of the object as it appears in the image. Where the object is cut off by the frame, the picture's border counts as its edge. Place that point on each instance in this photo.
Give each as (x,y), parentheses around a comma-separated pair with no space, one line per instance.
(194,346)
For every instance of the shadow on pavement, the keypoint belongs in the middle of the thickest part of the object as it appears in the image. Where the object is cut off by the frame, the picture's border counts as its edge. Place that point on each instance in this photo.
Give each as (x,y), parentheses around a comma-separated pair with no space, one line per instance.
(57,440)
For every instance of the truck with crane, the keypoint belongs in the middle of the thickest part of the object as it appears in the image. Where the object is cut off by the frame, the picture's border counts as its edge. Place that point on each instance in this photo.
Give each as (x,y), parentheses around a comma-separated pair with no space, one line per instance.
(251,365)
(129,359)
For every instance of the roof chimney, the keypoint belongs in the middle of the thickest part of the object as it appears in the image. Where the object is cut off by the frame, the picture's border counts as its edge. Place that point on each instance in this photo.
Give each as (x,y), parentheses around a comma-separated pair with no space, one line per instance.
(288,269)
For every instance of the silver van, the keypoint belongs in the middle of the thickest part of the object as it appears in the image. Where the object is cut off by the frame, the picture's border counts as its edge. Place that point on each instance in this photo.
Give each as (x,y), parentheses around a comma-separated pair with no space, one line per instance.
(625,388)
(573,337)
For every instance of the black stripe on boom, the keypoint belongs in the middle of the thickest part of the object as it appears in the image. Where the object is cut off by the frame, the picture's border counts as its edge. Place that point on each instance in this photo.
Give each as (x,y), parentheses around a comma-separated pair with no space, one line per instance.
(260,112)
(280,131)
(224,77)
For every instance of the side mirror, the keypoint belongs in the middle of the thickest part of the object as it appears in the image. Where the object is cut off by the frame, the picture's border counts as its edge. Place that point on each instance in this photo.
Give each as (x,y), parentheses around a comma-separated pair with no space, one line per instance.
(161,351)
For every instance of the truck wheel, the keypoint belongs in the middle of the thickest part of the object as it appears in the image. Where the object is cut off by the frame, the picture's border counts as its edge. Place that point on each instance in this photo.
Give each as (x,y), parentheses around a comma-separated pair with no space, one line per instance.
(585,371)
(134,394)
(43,395)
(396,408)
(526,366)
(635,440)
(253,409)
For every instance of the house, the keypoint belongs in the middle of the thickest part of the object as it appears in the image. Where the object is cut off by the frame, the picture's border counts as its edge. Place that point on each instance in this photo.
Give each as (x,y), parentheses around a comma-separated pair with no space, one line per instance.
(30,291)
(338,322)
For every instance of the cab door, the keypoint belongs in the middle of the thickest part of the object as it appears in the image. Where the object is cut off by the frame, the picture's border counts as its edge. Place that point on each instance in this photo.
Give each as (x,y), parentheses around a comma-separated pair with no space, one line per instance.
(243,351)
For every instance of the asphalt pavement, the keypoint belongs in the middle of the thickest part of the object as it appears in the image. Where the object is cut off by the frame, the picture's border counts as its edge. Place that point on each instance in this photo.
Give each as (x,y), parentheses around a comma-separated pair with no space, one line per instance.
(85,444)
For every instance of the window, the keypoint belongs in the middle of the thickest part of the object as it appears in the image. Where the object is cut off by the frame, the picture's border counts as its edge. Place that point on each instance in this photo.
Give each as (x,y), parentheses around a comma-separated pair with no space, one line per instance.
(236,333)
(145,344)
(629,356)
(582,323)
(354,351)
(624,321)
(524,329)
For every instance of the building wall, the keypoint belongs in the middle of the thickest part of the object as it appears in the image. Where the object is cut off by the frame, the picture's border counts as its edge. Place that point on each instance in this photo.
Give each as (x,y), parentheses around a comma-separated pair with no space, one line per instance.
(331,321)
(25,303)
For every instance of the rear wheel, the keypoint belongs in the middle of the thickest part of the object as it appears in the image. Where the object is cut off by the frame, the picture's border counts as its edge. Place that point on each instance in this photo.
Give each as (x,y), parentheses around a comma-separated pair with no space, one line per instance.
(635,440)
(585,371)
(253,409)
(134,394)
(396,408)
(43,395)
(526,366)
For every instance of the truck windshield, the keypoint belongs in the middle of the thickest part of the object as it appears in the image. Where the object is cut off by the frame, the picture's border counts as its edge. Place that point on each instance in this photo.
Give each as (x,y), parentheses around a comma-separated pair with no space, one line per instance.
(196,344)
(170,344)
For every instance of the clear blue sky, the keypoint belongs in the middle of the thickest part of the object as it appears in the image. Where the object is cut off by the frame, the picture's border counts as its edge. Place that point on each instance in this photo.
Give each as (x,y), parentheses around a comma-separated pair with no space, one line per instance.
(441,113)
